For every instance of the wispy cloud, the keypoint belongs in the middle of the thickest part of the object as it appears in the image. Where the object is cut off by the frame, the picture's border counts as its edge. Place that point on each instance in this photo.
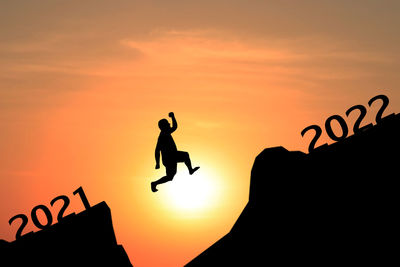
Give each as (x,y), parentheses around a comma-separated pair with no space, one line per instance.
(78,53)
(194,53)
(206,53)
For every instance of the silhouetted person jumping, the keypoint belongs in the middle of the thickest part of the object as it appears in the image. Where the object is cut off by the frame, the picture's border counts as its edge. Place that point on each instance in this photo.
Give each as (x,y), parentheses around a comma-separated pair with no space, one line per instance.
(170,154)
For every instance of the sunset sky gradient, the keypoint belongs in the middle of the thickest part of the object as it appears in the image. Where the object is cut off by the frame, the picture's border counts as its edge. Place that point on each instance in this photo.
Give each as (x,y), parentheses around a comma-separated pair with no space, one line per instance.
(84,83)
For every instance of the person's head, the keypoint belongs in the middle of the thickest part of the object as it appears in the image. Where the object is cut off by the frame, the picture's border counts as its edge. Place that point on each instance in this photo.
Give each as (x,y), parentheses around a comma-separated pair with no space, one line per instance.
(164,125)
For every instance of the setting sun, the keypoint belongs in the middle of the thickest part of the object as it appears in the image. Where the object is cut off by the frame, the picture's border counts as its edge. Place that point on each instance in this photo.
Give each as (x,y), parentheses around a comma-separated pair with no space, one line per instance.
(192,194)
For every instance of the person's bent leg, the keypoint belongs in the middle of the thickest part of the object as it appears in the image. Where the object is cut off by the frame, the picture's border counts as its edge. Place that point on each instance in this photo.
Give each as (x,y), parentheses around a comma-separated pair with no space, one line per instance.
(171,171)
(184,156)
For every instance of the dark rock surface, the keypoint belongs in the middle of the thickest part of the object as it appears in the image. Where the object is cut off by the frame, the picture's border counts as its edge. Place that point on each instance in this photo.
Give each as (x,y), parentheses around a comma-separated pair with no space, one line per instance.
(335,206)
(84,239)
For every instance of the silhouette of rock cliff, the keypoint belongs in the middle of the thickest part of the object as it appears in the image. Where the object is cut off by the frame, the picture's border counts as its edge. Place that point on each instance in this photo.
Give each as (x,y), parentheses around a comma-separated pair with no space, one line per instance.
(85,239)
(337,205)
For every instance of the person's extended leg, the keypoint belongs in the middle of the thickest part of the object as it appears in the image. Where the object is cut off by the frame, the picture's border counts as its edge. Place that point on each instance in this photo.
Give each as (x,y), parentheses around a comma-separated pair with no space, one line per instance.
(171,171)
(184,157)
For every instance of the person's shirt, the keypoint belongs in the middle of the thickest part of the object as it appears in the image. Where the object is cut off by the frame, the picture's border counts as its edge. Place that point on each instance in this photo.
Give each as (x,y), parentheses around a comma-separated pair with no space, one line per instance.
(166,143)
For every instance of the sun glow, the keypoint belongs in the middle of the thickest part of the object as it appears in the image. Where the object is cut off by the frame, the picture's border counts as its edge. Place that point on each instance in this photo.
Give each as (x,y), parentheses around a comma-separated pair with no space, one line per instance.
(192,194)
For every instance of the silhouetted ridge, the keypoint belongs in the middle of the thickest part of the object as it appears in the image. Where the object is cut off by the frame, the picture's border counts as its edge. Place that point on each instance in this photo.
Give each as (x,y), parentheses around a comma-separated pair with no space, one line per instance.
(84,239)
(337,205)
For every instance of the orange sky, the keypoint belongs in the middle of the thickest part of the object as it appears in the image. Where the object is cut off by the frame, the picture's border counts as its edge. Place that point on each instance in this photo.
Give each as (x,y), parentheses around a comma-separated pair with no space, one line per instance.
(83,85)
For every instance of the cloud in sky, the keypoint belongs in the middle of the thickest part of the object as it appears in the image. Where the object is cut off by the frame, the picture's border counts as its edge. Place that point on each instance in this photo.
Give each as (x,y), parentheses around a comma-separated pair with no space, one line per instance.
(207,51)
(204,52)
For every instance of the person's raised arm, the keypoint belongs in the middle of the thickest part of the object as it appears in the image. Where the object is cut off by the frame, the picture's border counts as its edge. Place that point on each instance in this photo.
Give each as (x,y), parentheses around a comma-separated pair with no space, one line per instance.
(174,123)
(157,154)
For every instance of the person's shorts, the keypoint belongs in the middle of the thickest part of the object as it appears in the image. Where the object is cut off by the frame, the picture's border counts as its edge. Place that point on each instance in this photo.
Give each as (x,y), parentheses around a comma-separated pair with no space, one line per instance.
(171,161)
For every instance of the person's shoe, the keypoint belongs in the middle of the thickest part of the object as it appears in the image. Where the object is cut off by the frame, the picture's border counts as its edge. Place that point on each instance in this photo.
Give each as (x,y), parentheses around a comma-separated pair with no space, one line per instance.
(193,170)
(154,187)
